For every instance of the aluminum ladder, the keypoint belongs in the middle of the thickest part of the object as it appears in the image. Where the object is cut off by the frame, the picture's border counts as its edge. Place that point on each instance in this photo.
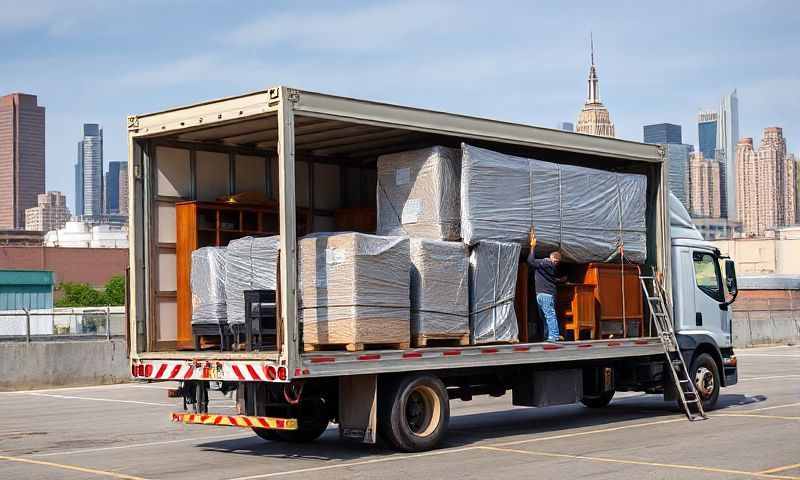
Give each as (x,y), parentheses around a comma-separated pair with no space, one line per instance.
(662,319)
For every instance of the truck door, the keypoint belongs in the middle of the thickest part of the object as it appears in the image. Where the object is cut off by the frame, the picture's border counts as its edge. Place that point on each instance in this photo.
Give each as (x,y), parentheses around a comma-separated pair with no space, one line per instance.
(709,294)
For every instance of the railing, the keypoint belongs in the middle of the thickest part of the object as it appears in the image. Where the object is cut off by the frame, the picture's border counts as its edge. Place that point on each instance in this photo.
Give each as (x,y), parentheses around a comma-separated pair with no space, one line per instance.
(62,324)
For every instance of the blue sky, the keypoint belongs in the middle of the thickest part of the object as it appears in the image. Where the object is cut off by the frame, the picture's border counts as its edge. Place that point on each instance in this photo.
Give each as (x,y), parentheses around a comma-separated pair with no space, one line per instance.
(97,61)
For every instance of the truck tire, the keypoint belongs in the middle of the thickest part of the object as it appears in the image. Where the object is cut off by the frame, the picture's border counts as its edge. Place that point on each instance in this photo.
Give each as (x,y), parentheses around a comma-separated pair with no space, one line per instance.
(598,401)
(312,421)
(267,434)
(705,374)
(413,412)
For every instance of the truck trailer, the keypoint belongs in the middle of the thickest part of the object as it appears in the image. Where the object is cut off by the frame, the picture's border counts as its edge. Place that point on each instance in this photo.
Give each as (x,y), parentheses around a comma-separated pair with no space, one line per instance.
(313,153)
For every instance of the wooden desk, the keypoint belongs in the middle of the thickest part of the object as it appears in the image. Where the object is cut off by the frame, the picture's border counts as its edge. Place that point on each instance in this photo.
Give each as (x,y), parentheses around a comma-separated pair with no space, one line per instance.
(575,308)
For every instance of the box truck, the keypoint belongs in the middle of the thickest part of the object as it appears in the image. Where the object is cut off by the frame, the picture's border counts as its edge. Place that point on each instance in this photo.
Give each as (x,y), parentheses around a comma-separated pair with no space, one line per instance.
(313,155)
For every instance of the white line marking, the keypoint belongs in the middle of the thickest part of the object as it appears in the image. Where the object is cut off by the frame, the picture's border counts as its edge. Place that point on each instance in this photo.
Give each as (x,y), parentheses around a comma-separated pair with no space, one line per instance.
(767,355)
(89,387)
(94,399)
(770,408)
(139,445)
(747,379)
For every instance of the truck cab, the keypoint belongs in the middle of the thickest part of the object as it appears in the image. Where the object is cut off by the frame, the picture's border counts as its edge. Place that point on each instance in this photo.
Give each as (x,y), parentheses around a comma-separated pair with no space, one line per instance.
(703,288)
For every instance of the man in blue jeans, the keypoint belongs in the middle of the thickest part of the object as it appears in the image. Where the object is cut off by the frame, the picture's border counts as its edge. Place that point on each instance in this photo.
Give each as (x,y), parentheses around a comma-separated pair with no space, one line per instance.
(547,275)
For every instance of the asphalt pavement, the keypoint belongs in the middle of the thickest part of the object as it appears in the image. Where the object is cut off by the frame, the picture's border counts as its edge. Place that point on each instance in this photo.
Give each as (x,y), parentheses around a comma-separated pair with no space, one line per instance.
(123,432)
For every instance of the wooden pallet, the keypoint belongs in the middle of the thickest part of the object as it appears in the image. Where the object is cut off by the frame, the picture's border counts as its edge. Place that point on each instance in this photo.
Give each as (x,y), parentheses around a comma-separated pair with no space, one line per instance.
(354,347)
(440,340)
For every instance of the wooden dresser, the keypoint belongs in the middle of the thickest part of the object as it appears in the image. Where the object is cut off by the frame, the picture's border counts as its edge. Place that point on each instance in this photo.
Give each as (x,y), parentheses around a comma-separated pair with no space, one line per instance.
(618,294)
(204,224)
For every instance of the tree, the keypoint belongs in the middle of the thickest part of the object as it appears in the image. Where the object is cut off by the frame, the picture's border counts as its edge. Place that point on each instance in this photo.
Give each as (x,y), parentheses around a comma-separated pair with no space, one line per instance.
(80,295)
(115,290)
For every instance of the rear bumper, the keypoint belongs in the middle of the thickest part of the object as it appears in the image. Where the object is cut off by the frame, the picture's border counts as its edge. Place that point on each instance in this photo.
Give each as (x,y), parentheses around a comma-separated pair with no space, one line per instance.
(270,423)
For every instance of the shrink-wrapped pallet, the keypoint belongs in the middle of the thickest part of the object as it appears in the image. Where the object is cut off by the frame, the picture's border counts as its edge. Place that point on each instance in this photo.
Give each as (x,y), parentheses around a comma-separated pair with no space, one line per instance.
(418,194)
(251,264)
(586,213)
(353,289)
(439,290)
(208,286)
(492,284)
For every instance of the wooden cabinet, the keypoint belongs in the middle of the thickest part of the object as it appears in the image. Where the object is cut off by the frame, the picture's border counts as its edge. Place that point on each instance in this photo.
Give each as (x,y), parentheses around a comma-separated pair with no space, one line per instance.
(204,224)
(618,294)
(575,308)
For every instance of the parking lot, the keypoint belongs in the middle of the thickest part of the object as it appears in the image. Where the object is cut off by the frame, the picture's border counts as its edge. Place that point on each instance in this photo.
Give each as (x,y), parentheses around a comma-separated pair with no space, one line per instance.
(123,432)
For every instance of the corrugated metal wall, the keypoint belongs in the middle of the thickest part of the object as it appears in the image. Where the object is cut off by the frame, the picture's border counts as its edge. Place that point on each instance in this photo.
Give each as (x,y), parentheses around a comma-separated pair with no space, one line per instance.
(18,297)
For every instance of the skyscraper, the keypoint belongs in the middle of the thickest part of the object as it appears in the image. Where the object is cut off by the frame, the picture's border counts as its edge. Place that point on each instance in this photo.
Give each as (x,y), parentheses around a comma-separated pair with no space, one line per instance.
(566,126)
(594,118)
(766,184)
(678,175)
(704,179)
(662,133)
(50,214)
(707,133)
(79,182)
(112,187)
(21,157)
(90,159)
(123,188)
(727,138)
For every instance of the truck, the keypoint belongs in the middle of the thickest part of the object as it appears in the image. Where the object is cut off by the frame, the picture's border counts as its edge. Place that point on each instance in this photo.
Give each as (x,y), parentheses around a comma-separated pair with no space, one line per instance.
(316,153)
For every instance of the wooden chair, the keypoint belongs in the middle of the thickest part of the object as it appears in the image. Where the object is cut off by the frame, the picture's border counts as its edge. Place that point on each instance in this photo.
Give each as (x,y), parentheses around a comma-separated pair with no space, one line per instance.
(576,309)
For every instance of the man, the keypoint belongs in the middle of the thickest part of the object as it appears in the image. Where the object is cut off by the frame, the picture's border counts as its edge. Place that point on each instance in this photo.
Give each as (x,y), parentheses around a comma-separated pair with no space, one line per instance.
(547,275)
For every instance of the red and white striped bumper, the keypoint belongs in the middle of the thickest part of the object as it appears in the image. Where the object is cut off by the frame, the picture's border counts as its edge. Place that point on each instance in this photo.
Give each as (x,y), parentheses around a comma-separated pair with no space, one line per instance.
(227,370)
(235,421)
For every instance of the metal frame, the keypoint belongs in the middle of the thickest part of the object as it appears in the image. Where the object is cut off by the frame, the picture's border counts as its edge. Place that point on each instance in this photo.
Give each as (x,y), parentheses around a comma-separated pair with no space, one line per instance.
(287,103)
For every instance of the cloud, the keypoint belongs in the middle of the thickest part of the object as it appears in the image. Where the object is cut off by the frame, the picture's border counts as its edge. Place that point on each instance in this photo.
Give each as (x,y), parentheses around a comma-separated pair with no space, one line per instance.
(367,29)
(187,70)
(56,17)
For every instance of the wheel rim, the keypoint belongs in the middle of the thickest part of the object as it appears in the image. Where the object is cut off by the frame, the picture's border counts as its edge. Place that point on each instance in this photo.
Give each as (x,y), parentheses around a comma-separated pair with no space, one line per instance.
(422,411)
(704,381)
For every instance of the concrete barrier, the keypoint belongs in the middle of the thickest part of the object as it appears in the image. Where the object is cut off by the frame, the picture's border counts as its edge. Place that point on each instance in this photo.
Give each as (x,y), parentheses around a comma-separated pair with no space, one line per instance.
(63,363)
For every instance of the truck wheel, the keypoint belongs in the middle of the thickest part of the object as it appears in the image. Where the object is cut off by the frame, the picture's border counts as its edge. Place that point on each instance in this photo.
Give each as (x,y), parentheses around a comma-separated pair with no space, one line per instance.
(413,412)
(267,434)
(598,401)
(312,421)
(705,375)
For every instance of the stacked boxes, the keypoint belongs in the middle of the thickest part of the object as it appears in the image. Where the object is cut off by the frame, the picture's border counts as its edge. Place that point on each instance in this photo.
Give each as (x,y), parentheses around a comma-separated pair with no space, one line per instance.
(492,283)
(252,263)
(418,194)
(208,286)
(586,213)
(439,292)
(353,289)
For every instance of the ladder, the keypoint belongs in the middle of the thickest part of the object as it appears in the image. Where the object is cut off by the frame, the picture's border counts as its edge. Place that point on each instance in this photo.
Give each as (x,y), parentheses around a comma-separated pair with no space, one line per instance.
(687,391)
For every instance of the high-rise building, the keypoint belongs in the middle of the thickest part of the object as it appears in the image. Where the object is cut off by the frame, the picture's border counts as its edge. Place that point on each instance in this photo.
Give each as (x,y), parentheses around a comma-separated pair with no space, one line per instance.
(662,133)
(21,157)
(90,159)
(707,133)
(51,213)
(123,188)
(727,138)
(766,184)
(112,187)
(594,118)
(704,181)
(678,175)
(566,126)
(79,182)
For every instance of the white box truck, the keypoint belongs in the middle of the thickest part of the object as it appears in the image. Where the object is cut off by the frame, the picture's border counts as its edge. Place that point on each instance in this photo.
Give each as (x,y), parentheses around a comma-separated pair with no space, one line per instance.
(318,152)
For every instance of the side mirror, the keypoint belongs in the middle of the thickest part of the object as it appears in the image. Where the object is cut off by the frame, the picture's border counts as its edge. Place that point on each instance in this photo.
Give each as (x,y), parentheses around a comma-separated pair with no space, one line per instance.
(730,277)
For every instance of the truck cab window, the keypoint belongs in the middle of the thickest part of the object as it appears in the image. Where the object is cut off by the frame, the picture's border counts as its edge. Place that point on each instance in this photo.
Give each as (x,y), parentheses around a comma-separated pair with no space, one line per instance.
(707,275)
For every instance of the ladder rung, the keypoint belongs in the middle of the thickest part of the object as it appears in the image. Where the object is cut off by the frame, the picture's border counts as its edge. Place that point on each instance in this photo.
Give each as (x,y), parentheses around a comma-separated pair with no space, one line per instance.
(653,298)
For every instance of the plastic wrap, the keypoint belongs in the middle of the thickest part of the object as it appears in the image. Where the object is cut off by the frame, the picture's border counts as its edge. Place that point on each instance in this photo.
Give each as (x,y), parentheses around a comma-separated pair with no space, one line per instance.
(252,264)
(492,285)
(418,194)
(208,286)
(354,288)
(439,291)
(586,213)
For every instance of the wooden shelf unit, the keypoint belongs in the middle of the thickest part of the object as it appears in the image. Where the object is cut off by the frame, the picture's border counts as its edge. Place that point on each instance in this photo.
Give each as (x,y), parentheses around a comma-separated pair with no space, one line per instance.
(214,224)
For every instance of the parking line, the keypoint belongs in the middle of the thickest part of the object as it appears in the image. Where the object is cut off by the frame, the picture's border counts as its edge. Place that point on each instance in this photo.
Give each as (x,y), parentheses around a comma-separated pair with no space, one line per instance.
(768,355)
(141,445)
(781,469)
(95,399)
(74,468)
(773,407)
(589,432)
(639,462)
(772,377)
(756,415)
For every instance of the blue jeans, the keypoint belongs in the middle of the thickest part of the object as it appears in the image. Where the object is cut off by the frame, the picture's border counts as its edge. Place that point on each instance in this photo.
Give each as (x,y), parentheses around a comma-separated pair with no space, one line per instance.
(547,308)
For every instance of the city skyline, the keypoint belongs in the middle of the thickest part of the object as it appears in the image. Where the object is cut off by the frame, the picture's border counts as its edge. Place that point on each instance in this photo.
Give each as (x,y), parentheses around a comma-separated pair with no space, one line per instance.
(532,78)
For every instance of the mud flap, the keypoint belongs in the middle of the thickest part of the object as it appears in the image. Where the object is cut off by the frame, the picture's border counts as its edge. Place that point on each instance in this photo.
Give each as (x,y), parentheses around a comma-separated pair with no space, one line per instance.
(358,408)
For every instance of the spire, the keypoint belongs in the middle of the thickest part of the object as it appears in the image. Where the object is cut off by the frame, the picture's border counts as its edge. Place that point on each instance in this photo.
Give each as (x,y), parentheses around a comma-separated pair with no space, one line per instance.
(594,93)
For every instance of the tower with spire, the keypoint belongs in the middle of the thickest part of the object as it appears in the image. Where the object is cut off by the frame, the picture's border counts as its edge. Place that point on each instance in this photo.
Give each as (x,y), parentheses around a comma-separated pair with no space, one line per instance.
(594,118)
